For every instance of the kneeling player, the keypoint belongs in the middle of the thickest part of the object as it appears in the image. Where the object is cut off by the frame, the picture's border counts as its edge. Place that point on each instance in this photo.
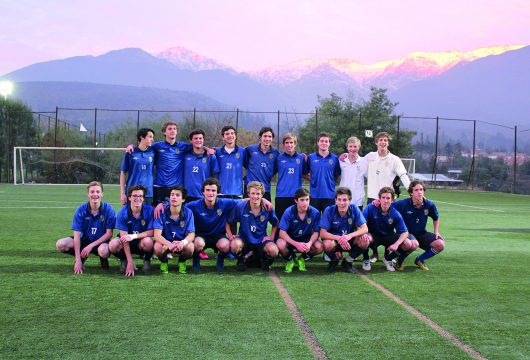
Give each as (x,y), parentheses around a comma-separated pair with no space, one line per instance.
(135,223)
(174,231)
(299,229)
(415,212)
(341,228)
(252,238)
(92,224)
(387,228)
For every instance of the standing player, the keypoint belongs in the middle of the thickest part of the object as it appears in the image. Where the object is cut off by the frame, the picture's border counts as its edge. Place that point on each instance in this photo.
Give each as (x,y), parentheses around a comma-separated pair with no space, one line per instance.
(415,211)
(135,223)
(324,168)
(198,166)
(299,229)
(354,169)
(341,229)
(260,161)
(138,165)
(174,231)
(230,158)
(92,224)
(387,228)
(210,214)
(291,167)
(252,238)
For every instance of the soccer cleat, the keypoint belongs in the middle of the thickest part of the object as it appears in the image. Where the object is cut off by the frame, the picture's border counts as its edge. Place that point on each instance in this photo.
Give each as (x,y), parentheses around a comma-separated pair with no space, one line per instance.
(289,266)
(104,262)
(164,267)
(266,264)
(123,265)
(389,265)
(146,267)
(421,265)
(399,266)
(182,267)
(374,259)
(367,266)
(203,255)
(220,263)
(332,265)
(347,266)
(301,263)
(240,265)
(326,257)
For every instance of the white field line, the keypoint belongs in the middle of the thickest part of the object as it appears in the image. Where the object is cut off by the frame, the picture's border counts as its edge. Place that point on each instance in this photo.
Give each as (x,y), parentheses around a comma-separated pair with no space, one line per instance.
(468,206)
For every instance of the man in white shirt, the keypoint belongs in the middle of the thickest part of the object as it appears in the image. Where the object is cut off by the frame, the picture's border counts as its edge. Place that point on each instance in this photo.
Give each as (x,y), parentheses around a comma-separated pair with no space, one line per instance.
(354,168)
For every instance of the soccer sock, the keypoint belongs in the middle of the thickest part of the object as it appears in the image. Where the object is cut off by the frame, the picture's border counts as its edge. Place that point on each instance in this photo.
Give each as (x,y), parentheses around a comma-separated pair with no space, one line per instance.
(355,252)
(427,254)
(163,258)
(403,255)
(196,261)
(332,255)
(389,256)
(366,256)
(121,255)
(148,255)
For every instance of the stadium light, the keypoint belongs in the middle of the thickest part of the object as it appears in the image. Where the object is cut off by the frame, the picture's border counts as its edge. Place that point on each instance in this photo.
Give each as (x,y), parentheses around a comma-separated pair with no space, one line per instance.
(6,88)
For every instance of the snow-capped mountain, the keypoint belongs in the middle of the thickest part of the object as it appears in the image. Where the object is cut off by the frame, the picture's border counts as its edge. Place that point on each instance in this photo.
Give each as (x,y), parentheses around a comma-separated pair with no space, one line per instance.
(185,59)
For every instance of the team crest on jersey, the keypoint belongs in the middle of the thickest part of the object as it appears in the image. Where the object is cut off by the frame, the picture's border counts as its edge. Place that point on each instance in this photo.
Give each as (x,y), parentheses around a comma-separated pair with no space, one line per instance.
(150,159)
(101,218)
(271,156)
(182,223)
(390,221)
(177,151)
(309,220)
(238,156)
(219,212)
(330,162)
(142,222)
(298,161)
(204,160)
(426,212)
(350,221)
(262,218)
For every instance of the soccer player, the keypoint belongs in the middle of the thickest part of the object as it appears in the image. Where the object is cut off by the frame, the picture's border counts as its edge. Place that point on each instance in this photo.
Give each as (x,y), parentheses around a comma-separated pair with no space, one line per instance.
(323,167)
(92,224)
(387,228)
(138,165)
(135,223)
(383,167)
(291,167)
(260,161)
(252,238)
(299,230)
(230,158)
(174,231)
(198,166)
(354,169)
(341,228)
(415,211)
(210,214)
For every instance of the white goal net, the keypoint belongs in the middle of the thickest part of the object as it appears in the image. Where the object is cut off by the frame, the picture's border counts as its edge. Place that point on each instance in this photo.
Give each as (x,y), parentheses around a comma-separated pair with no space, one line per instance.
(66,165)
(410,165)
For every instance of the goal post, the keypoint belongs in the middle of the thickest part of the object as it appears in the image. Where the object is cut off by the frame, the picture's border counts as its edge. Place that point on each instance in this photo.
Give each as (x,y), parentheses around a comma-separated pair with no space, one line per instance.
(66,165)
(410,165)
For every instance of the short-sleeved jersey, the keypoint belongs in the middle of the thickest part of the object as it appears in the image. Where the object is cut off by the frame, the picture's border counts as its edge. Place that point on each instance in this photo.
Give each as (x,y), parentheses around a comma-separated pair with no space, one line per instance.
(323,171)
(175,229)
(198,168)
(126,221)
(260,166)
(252,229)
(92,227)
(380,224)
(336,224)
(299,229)
(211,221)
(352,176)
(169,169)
(231,170)
(416,218)
(290,171)
(139,167)
(382,171)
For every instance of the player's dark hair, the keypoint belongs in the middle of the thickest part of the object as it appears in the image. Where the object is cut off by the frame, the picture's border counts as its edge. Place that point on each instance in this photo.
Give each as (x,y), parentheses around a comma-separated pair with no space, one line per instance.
(135,188)
(168,123)
(300,193)
(143,132)
(211,181)
(413,185)
(385,190)
(266,129)
(179,188)
(343,191)
(197,132)
(226,128)
(323,134)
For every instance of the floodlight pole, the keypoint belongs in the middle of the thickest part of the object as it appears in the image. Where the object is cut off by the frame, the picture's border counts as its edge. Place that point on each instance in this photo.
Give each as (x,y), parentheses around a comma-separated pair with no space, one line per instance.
(514,161)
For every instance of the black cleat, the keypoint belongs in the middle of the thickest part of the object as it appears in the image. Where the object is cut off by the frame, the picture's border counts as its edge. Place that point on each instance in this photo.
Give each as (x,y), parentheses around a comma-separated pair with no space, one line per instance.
(347,266)
(332,265)
(104,263)
(240,264)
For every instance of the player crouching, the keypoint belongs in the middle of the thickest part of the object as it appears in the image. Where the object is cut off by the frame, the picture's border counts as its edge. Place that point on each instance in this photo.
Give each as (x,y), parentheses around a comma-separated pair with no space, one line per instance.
(299,230)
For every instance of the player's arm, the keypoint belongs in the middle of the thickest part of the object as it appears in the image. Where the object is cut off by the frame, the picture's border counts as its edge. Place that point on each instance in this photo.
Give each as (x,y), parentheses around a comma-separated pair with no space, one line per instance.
(229,235)
(78,264)
(436,226)
(123,196)
(361,230)
(402,237)
(106,236)
(159,238)
(272,235)
(129,271)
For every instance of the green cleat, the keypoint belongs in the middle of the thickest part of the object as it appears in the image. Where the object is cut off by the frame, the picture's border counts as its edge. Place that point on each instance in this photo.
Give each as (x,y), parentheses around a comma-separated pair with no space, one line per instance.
(289,266)
(421,265)
(182,267)
(164,267)
(301,263)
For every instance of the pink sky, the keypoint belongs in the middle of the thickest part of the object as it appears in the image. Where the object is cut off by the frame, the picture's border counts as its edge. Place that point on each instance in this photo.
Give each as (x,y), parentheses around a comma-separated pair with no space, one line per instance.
(253,34)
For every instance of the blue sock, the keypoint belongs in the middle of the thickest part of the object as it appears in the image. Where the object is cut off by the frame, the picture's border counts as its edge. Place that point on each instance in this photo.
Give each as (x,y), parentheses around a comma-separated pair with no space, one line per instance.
(426,255)
(196,262)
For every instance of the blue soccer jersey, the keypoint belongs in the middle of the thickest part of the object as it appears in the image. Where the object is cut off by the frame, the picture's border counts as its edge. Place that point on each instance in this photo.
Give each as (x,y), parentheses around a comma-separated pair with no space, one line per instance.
(198,168)
(211,221)
(380,224)
(323,171)
(169,168)
(260,166)
(231,170)
(92,227)
(297,229)
(126,221)
(252,228)
(175,229)
(290,170)
(336,224)
(139,168)
(416,218)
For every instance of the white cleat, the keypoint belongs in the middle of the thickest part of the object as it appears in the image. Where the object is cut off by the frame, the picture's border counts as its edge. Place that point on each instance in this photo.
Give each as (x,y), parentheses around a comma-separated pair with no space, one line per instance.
(367,266)
(389,266)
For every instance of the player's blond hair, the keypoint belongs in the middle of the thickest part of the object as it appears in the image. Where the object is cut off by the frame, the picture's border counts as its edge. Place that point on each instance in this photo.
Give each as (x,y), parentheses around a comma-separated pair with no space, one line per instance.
(256,185)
